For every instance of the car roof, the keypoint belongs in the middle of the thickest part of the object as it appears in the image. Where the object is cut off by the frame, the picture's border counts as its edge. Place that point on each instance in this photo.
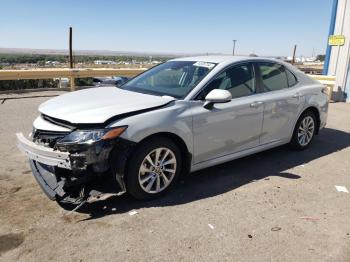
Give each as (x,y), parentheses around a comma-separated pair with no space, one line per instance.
(222,59)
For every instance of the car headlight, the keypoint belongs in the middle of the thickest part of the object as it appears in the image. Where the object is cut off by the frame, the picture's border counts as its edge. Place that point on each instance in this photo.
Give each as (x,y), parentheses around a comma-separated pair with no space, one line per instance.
(91,136)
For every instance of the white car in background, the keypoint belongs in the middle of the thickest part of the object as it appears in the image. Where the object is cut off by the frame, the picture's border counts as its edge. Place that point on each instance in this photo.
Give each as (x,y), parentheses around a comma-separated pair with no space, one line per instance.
(110,81)
(180,116)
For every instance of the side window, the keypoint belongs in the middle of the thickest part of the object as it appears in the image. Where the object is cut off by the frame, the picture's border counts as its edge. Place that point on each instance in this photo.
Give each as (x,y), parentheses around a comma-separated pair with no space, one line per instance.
(238,80)
(273,76)
(292,80)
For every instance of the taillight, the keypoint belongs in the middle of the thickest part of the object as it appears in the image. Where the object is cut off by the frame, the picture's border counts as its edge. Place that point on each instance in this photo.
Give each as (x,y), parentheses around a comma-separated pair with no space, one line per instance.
(325,91)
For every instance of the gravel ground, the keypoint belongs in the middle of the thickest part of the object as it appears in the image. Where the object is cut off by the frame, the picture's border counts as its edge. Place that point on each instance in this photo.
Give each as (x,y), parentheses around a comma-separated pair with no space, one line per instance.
(278,205)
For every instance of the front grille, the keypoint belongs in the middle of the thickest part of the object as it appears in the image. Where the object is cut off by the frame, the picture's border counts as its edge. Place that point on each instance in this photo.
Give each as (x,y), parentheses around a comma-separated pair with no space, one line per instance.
(47,138)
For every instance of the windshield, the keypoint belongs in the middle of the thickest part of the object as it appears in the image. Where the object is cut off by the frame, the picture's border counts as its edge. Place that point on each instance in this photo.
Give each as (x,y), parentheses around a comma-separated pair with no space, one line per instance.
(174,78)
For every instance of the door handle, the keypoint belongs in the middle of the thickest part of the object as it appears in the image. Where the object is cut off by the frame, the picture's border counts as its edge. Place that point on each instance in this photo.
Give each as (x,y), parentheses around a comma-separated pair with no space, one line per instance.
(256,104)
(296,95)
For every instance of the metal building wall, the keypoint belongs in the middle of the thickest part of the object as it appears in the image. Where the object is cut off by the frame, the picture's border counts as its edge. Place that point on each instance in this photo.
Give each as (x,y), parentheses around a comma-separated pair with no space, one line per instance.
(340,55)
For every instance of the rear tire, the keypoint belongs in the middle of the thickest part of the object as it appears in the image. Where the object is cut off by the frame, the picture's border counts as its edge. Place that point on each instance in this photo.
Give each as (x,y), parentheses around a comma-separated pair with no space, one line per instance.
(153,168)
(304,131)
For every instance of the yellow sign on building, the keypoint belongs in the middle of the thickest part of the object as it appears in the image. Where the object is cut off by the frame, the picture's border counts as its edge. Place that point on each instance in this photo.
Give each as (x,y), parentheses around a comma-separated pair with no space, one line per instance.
(336,40)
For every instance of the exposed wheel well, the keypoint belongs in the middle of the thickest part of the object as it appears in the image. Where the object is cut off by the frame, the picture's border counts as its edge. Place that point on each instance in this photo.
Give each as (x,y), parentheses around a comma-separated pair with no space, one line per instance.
(186,155)
(314,110)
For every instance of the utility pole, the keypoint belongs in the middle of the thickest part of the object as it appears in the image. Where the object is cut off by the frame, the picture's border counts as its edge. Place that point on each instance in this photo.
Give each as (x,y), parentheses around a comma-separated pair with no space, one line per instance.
(294,51)
(70,48)
(234,46)
(72,82)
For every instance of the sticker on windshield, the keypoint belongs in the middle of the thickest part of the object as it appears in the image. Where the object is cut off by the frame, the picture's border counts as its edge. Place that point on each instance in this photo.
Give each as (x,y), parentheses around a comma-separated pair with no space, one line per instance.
(204,64)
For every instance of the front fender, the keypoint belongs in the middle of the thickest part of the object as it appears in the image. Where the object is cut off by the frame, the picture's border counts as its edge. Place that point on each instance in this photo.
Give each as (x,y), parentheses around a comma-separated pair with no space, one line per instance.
(176,118)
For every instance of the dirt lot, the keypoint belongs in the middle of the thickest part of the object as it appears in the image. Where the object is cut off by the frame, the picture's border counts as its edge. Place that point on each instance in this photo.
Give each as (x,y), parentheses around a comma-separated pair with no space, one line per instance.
(279,205)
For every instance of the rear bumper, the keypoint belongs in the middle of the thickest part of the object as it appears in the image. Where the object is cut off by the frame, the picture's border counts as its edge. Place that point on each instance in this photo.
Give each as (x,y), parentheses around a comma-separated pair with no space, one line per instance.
(43,154)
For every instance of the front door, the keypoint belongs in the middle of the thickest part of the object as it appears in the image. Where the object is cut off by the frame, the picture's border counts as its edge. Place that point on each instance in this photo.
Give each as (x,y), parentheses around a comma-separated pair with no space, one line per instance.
(229,127)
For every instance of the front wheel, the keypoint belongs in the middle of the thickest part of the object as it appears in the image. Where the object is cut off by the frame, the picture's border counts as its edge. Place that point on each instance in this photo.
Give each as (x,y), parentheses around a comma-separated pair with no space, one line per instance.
(153,168)
(304,131)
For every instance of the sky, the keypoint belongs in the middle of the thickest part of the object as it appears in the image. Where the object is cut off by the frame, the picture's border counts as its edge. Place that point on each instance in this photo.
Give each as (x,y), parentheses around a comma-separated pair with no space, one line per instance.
(265,27)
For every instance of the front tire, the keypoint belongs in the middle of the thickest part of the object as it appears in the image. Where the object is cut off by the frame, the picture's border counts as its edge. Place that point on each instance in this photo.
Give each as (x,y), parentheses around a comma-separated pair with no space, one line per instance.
(153,168)
(304,131)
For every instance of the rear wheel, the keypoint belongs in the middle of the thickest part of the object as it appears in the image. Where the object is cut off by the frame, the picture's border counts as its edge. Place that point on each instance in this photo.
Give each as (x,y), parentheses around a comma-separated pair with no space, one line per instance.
(304,131)
(153,168)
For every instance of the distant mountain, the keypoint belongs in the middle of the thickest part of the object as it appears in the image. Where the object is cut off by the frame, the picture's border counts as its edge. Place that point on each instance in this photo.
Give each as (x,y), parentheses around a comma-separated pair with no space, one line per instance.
(91,52)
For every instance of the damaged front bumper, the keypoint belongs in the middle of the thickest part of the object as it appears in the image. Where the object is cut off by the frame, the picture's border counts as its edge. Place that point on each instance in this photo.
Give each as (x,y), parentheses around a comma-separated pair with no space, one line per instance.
(43,154)
(68,175)
(47,180)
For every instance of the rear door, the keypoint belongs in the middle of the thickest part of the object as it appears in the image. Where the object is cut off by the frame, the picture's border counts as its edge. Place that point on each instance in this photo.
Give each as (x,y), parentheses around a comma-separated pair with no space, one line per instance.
(281,99)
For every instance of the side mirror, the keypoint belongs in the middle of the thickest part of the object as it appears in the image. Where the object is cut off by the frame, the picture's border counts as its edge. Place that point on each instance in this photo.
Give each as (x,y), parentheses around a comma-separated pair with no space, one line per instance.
(217,96)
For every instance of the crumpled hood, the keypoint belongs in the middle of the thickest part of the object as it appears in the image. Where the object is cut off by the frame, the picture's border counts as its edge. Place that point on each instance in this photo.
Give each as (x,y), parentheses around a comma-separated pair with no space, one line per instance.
(97,105)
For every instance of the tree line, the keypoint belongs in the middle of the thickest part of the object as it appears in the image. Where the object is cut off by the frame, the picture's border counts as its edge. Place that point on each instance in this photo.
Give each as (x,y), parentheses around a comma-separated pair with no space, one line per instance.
(39,58)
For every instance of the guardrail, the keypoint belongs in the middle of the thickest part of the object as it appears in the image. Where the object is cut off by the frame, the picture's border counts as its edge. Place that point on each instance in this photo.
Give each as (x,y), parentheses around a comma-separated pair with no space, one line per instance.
(329,81)
(67,73)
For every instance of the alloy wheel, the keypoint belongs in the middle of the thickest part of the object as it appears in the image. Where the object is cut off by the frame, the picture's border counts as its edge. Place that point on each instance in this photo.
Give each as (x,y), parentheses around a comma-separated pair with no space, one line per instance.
(157,170)
(306,130)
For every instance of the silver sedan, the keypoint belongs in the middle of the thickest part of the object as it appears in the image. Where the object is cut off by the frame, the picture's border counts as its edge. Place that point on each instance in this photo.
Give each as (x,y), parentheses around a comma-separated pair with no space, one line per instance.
(180,116)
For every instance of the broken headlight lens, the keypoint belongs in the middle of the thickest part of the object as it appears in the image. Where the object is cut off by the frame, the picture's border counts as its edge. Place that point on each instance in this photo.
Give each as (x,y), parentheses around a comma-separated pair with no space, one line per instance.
(91,136)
